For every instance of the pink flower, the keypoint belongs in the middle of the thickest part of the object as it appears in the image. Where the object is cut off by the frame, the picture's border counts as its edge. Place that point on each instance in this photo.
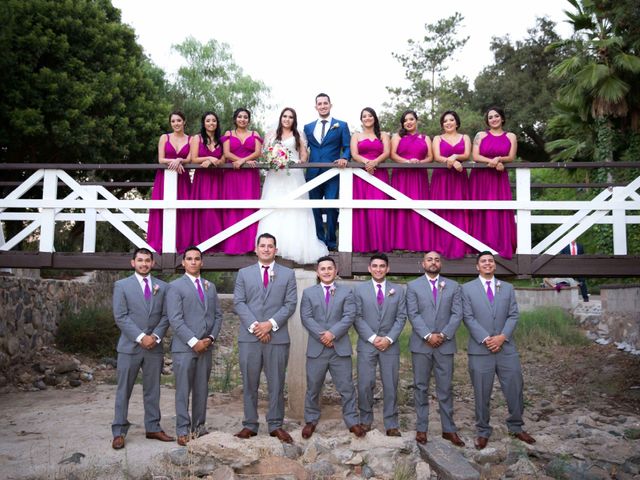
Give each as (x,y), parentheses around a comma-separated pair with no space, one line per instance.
(392,292)
(156,287)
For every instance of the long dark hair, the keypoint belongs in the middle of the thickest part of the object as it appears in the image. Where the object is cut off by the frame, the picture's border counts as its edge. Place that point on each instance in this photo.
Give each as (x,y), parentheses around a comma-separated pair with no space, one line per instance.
(376,122)
(294,126)
(402,132)
(237,112)
(203,131)
(455,116)
(498,110)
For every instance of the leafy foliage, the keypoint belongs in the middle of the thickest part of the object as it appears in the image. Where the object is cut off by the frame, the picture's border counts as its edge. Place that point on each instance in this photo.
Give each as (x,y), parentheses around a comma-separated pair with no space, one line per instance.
(91,331)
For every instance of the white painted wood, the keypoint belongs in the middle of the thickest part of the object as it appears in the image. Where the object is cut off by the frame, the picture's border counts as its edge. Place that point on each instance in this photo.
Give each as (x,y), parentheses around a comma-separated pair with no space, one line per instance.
(90,216)
(345,217)
(48,214)
(169,215)
(619,224)
(523,216)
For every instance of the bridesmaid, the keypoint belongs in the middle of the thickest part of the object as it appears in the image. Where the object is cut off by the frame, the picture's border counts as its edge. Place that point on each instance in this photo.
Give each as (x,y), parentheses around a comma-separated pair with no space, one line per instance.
(451,148)
(173,151)
(371,147)
(206,149)
(412,231)
(241,146)
(495,147)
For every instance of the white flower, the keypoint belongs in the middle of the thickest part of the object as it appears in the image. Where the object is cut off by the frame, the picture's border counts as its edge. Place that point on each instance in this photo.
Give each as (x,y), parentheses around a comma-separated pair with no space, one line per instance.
(441,285)
(206,285)
(497,286)
(332,291)
(335,125)
(392,292)
(156,287)
(272,275)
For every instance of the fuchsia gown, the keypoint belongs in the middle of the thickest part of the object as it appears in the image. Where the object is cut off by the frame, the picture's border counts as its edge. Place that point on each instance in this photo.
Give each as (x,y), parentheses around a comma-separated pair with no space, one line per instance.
(183,217)
(371,226)
(448,184)
(207,185)
(242,184)
(496,228)
(411,231)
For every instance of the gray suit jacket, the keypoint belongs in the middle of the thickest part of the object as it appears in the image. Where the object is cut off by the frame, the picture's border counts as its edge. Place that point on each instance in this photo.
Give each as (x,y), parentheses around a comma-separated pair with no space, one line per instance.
(387,321)
(254,303)
(188,316)
(337,317)
(134,316)
(484,319)
(427,317)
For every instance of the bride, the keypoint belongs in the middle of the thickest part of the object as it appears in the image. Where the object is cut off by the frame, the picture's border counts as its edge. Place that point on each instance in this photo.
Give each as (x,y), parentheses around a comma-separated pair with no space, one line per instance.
(294,229)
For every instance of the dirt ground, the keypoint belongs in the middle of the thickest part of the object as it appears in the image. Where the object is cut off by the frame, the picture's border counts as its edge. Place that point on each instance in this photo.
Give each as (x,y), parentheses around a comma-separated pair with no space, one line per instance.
(65,433)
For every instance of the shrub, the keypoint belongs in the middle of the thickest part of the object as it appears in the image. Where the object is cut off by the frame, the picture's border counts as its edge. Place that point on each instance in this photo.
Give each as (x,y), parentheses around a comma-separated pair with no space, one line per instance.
(90,331)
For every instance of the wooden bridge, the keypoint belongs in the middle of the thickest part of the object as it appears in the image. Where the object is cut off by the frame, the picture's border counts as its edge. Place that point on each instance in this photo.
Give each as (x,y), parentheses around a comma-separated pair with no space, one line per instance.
(51,195)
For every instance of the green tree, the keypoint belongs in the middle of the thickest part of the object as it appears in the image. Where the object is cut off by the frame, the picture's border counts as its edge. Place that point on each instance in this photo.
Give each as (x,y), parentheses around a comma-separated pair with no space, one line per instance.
(211,80)
(519,81)
(75,85)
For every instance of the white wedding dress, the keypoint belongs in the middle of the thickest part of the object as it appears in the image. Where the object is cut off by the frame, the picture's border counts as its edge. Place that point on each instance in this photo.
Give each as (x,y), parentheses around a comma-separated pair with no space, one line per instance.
(294,229)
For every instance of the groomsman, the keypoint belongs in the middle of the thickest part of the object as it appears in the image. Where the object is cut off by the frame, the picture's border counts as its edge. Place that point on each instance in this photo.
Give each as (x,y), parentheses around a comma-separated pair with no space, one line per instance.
(435,311)
(327,311)
(196,318)
(491,315)
(264,297)
(575,248)
(329,141)
(380,317)
(139,311)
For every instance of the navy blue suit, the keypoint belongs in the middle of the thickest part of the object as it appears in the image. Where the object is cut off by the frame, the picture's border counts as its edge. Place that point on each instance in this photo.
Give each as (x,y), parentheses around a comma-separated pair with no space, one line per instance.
(582,282)
(334,146)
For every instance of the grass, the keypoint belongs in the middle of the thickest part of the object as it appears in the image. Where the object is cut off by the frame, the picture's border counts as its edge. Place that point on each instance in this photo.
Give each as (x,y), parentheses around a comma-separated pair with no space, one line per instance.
(91,331)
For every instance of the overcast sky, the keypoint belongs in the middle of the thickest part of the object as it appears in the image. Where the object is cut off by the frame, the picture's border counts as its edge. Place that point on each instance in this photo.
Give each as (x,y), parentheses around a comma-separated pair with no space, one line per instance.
(341,47)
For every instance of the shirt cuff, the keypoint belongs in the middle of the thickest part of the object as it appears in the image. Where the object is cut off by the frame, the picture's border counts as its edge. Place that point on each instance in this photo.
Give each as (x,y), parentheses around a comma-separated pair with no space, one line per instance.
(192,342)
(158,339)
(274,325)
(371,338)
(390,340)
(252,327)
(213,339)
(427,336)
(485,339)
(140,337)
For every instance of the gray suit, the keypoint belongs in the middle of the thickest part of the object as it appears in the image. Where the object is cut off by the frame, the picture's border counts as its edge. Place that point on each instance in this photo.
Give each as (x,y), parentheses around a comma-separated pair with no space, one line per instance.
(134,315)
(426,316)
(189,317)
(337,317)
(384,321)
(484,319)
(255,303)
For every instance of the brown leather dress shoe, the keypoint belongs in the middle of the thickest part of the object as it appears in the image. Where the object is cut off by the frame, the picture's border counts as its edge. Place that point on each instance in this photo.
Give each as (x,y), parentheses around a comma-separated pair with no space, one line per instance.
(358,431)
(118,442)
(453,438)
(183,440)
(421,437)
(163,437)
(393,432)
(308,430)
(524,436)
(481,442)
(281,435)
(366,427)
(246,433)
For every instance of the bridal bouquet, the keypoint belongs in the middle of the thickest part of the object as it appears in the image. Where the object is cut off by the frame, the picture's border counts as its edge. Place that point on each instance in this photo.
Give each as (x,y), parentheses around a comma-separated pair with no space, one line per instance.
(277,157)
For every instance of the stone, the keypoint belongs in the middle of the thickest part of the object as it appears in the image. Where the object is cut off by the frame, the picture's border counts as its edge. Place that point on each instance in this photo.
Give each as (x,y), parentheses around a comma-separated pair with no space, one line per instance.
(355,460)
(179,457)
(292,450)
(447,462)
(65,367)
(270,467)
(367,471)
(632,465)
(225,472)
(235,452)
(74,383)
(522,467)
(322,468)
(310,454)
(488,455)
(423,471)
(51,380)
(40,385)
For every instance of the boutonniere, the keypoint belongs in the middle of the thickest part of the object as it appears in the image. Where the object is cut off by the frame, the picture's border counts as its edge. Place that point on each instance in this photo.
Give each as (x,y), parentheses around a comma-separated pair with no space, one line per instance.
(392,292)
(156,287)
(206,285)
(497,286)
(272,275)
(335,125)
(332,291)
(441,285)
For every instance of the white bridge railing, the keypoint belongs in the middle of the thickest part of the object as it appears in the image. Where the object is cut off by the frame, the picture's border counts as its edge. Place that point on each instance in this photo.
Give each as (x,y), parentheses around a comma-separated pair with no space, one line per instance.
(617,206)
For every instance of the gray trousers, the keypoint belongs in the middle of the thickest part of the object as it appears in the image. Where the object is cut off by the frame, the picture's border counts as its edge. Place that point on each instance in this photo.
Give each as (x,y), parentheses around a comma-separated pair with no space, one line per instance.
(367,363)
(128,367)
(254,356)
(192,374)
(482,369)
(442,367)
(340,369)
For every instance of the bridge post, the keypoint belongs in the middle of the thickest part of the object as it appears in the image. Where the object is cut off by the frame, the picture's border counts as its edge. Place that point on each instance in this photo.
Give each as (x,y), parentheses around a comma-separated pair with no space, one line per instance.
(48,215)
(296,370)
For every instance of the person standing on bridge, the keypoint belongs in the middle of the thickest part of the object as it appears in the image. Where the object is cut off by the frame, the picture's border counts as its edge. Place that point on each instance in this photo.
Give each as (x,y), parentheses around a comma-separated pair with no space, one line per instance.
(140,312)
(490,312)
(265,296)
(195,316)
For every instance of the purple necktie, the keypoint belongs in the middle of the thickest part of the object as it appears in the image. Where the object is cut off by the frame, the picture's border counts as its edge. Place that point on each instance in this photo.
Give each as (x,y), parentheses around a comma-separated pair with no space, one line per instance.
(380,296)
(327,295)
(434,290)
(200,292)
(265,276)
(489,291)
(147,290)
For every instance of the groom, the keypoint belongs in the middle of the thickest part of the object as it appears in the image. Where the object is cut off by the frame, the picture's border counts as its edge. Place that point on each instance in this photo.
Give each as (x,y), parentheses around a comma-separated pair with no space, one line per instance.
(329,143)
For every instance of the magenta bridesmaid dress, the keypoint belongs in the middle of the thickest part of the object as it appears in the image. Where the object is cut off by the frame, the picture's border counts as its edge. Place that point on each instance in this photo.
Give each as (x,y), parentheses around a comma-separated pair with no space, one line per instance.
(411,231)
(371,225)
(207,185)
(183,216)
(242,184)
(449,184)
(496,228)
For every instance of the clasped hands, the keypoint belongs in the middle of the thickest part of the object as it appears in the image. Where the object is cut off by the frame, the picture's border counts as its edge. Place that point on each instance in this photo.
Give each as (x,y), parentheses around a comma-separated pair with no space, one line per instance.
(148,342)
(381,343)
(497,164)
(435,340)
(494,344)
(202,345)
(327,338)
(212,161)
(263,331)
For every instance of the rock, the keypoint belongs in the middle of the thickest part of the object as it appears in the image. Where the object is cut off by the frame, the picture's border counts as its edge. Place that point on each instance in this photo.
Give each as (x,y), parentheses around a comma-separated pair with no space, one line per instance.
(367,472)
(65,367)
(86,377)
(522,467)
(447,462)
(488,455)
(292,450)
(355,460)
(561,468)
(271,467)
(310,454)
(322,469)
(51,380)
(74,383)
(423,471)
(632,465)
(179,457)
(109,361)
(224,472)
(40,385)
(230,450)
